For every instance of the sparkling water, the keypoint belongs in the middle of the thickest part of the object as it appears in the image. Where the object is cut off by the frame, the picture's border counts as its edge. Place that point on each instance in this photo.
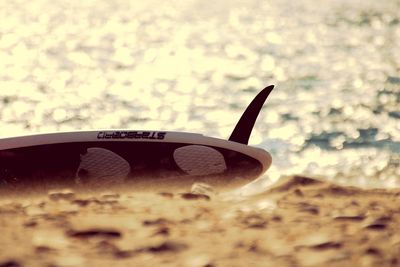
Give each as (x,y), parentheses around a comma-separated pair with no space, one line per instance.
(195,65)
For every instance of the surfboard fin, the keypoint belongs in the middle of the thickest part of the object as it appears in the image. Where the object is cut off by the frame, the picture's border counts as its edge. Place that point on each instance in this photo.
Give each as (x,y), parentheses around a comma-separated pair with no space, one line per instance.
(243,128)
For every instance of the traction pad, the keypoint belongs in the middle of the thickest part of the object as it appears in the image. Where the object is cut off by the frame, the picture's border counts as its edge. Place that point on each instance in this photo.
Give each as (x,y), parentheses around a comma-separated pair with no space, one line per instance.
(101,167)
(199,160)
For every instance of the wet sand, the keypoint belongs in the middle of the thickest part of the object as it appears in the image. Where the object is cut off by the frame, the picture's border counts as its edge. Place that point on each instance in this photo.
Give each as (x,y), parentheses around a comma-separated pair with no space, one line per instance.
(298,222)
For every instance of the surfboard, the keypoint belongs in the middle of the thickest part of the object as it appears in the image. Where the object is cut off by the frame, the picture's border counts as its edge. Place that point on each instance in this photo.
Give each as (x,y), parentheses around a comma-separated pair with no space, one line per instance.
(133,159)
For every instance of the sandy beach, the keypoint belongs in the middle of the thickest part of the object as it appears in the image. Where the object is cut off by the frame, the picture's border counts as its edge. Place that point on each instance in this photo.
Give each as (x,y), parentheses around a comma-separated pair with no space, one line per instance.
(298,222)
(193,66)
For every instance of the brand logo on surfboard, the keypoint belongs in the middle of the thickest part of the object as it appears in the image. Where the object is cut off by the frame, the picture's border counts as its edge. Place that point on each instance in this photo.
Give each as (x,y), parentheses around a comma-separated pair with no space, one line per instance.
(131,135)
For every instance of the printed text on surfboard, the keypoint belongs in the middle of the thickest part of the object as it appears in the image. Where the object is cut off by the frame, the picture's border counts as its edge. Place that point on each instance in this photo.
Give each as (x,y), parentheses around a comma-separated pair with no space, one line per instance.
(130,135)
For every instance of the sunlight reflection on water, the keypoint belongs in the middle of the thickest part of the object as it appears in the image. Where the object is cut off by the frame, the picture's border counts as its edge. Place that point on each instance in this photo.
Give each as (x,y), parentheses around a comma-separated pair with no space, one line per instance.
(194,66)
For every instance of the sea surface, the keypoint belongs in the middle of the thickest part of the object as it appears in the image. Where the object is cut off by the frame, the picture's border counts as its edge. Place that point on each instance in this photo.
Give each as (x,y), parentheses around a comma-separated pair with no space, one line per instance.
(195,65)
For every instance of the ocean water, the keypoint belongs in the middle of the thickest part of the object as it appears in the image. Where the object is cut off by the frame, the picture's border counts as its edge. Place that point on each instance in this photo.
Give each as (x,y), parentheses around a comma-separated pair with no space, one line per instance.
(195,65)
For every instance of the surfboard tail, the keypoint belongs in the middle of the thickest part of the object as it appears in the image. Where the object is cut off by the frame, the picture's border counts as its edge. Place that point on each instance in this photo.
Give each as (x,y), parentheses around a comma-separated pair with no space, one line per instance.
(243,128)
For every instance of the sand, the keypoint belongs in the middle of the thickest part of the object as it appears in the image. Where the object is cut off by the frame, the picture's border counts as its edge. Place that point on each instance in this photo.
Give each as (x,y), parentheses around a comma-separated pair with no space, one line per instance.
(298,222)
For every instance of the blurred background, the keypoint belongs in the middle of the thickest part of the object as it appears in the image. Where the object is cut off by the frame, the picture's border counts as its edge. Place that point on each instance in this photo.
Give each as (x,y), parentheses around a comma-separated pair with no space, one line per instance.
(195,65)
